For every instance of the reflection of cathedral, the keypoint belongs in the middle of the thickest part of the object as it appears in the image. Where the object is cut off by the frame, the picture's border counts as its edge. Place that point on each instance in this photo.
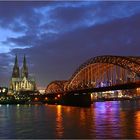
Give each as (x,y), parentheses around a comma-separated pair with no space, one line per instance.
(21,82)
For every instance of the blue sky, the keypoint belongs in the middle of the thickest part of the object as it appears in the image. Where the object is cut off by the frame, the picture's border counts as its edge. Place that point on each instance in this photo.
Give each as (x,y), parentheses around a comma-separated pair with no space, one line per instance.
(59,36)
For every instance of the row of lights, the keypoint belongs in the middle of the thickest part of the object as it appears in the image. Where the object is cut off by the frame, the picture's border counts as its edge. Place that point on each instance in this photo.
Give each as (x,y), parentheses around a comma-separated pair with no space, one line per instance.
(46,98)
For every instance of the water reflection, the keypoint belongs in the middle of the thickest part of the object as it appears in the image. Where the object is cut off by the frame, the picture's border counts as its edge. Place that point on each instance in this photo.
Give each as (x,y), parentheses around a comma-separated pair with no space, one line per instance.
(137,124)
(59,121)
(117,119)
(106,120)
(83,117)
(101,120)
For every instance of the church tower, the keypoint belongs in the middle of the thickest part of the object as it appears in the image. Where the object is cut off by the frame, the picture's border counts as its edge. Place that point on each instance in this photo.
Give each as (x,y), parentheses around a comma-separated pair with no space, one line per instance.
(24,70)
(15,73)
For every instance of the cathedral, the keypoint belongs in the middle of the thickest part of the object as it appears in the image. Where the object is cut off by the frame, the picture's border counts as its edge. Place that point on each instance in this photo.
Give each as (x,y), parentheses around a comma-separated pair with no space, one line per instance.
(21,81)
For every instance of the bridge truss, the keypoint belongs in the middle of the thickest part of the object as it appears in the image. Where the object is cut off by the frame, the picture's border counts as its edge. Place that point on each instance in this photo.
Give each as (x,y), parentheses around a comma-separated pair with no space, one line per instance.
(100,71)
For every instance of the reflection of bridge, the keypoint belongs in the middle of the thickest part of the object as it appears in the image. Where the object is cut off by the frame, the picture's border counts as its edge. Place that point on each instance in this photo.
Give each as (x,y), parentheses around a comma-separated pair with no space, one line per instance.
(101,73)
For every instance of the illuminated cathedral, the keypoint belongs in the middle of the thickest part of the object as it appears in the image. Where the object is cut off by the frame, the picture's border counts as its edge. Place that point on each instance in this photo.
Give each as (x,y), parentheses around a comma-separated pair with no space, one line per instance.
(21,81)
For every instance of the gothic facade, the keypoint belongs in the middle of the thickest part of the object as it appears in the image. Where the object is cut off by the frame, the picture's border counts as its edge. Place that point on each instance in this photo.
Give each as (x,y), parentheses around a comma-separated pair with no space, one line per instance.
(21,81)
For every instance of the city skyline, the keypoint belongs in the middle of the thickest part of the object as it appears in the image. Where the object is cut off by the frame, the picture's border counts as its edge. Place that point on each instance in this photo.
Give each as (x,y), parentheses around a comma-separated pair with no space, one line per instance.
(59,36)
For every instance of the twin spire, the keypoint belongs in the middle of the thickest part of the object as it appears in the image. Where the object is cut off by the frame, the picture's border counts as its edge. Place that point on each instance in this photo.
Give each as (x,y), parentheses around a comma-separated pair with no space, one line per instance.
(24,69)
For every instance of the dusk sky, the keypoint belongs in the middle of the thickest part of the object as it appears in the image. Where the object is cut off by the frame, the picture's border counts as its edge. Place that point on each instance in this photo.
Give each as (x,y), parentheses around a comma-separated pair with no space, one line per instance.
(59,36)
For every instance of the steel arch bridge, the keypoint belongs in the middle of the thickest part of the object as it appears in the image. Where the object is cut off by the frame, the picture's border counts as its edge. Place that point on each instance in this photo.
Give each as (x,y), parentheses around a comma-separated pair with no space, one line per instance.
(56,87)
(102,71)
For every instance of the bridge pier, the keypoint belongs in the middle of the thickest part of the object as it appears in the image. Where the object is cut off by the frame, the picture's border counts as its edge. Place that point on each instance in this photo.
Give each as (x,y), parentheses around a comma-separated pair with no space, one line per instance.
(70,99)
(76,99)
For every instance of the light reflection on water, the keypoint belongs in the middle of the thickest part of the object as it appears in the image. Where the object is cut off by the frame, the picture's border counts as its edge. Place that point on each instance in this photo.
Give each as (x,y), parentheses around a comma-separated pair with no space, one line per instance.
(106,119)
(59,122)
(112,119)
(137,124)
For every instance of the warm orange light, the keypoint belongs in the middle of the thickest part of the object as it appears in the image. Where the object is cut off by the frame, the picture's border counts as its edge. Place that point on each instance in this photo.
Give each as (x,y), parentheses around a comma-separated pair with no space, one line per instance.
(137,122)
(36,99)
(59,108)
(59,121)
(55,98)
(46,98)
(92,97)
(58,95)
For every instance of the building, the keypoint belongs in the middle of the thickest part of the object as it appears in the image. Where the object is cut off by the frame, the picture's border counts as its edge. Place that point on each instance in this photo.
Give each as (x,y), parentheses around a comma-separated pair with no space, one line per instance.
(21,81)
(3,91)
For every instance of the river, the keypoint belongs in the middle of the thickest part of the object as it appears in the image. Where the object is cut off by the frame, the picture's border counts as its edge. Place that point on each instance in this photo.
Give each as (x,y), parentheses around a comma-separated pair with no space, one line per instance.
(112,119)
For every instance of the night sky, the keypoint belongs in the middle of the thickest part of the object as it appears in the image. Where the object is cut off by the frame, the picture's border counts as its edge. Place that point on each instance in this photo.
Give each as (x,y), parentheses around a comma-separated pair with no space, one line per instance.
(59,36)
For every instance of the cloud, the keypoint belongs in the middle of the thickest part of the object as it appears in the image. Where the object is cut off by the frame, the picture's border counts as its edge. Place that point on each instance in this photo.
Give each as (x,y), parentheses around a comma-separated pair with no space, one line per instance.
(58,36)
(59,59)
(5,71)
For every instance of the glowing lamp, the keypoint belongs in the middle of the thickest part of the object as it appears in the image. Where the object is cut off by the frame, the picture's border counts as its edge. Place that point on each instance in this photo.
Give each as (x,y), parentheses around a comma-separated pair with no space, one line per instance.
(36,99)
(58,95)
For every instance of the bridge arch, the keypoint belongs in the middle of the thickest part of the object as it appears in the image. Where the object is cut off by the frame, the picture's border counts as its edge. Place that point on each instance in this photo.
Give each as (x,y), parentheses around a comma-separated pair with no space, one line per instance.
(55,87)
(97,67)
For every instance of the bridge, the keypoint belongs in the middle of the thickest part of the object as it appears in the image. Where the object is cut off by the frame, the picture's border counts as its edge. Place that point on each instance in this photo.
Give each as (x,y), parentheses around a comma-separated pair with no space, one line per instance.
(98,74)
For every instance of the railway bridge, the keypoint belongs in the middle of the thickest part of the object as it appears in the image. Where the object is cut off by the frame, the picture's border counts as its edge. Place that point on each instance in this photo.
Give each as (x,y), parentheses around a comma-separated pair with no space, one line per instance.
(99,74)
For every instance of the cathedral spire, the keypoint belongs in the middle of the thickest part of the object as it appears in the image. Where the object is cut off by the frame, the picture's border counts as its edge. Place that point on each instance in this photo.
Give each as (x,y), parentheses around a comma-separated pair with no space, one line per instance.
(15,73)
(24,61)
(16,61)
(24,68)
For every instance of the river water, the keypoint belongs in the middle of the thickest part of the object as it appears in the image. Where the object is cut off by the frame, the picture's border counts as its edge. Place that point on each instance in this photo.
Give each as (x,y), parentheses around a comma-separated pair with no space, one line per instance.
(112,119)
